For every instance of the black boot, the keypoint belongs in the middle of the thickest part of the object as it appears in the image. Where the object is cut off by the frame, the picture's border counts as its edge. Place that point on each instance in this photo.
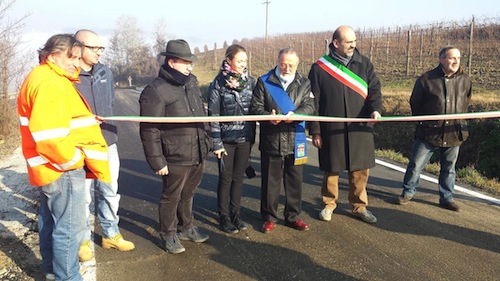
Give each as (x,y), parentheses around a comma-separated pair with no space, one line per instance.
(241,225)
(227,226)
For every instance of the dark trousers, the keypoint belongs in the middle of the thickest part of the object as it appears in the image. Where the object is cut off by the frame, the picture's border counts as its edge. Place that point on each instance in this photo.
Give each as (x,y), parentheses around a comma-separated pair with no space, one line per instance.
(276,169)
(176,202)
(231,179)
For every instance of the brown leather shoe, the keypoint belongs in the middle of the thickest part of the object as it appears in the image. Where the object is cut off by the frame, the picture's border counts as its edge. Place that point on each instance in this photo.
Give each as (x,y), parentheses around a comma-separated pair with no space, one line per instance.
(298,224)
(450,206)
(268,226)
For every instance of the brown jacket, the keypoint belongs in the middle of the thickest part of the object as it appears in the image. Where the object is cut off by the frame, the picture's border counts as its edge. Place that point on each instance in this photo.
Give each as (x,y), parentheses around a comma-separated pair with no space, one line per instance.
(434,93)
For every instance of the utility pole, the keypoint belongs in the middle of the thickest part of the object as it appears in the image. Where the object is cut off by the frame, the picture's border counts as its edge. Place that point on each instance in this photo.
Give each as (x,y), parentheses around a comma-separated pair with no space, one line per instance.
(267,15)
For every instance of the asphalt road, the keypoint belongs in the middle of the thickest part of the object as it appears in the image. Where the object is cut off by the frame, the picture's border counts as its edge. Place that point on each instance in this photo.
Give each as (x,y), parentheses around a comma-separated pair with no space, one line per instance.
(419,241)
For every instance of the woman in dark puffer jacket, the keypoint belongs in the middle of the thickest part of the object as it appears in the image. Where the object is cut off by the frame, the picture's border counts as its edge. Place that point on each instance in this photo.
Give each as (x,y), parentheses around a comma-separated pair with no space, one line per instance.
(229,95)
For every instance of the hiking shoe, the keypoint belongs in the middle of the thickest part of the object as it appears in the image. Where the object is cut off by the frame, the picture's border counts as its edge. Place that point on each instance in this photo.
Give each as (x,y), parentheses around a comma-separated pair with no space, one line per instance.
(118,243)
(172,245)
(366,216)
(85,252)
(241,225)
(403,199)
(193,234)
(450,205)
(227,226)
(325,214)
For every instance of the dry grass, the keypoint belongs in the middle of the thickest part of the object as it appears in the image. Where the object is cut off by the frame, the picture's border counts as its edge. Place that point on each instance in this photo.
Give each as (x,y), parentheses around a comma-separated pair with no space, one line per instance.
(9,128)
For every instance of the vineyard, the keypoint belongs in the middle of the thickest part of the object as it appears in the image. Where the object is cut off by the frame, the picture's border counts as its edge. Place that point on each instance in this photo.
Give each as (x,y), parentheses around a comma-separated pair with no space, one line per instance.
(398,53)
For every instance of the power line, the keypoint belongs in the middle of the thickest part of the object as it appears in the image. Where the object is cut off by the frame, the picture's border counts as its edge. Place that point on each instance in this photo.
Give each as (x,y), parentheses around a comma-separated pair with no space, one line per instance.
(267,15)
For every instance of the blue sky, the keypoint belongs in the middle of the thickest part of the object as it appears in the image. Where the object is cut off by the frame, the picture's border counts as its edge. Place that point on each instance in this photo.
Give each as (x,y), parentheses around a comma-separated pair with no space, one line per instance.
(203,22)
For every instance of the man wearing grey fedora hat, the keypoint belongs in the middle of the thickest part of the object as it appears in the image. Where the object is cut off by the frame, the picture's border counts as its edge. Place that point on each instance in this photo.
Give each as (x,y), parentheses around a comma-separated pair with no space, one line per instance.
(176,152)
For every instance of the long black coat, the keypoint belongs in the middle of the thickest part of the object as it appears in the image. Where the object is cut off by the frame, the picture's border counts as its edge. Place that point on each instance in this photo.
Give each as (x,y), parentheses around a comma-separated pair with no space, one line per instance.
(346,146)
(179,144)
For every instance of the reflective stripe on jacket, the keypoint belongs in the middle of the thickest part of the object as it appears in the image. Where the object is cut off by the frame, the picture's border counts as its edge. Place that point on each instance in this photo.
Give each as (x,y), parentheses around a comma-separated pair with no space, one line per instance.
(58,130)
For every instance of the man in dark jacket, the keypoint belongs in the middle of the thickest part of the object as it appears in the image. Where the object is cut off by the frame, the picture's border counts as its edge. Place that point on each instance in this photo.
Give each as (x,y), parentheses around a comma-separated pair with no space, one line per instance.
(175,151)
(282,143)
(344,84)
(444,90)
(96,86)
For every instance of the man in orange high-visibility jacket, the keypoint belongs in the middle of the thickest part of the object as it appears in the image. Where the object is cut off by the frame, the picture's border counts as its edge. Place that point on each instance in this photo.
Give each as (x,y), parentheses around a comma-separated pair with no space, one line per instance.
(60,136)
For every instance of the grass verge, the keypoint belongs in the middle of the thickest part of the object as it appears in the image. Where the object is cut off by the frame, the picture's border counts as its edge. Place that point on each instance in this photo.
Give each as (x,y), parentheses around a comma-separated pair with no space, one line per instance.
(467,175)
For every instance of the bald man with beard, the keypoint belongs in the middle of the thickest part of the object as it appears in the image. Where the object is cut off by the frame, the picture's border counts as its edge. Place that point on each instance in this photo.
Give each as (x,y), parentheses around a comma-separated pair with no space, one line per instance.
(345,84)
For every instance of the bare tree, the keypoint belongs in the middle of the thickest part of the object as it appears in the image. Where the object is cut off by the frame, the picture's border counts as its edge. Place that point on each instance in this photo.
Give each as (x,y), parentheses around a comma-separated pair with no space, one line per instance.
(127,38)
(9,51)
(12,66)
(160,36)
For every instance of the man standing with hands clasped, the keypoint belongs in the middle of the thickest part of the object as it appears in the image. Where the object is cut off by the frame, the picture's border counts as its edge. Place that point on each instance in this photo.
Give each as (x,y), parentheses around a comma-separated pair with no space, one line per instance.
(283,144)
(444,90)
(344,84)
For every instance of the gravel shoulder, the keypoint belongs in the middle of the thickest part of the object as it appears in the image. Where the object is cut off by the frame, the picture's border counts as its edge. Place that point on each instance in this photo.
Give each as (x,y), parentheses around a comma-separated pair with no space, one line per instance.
(19,255)
(20,258)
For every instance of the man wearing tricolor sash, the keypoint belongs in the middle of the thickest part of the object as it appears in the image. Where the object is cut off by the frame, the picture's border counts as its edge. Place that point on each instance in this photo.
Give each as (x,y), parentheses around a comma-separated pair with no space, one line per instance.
(345,84)
(283,144)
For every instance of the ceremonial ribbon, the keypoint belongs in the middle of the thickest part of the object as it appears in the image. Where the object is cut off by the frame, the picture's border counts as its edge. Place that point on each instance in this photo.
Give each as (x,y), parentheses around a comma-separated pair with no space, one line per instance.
(301,117)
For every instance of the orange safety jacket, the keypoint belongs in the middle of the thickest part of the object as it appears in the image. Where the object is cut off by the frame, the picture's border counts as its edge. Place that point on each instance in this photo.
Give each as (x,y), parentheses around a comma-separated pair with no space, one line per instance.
(59,132)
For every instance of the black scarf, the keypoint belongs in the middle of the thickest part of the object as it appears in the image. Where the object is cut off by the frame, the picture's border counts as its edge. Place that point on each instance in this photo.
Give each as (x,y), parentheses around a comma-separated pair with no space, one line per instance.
(177,76)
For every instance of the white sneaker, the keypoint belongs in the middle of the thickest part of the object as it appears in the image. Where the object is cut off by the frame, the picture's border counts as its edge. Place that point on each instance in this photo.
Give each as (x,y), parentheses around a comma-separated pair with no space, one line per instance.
(325,215)
(50,277)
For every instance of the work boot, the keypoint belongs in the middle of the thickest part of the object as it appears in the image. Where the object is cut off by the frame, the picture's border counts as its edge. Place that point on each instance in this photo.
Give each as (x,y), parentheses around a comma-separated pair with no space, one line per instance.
(85,252)
(118,243)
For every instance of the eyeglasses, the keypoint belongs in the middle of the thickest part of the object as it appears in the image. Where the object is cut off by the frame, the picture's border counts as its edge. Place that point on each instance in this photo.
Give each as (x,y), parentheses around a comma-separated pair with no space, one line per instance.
(95,49)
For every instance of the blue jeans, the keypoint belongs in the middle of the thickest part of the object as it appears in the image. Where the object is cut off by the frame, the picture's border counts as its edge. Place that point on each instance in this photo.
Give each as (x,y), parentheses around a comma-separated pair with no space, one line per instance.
(107,198)
(422,152)
(61,224)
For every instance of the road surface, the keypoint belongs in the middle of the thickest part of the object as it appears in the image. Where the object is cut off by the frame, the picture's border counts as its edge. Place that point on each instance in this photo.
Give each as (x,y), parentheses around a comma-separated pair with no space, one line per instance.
(419,241)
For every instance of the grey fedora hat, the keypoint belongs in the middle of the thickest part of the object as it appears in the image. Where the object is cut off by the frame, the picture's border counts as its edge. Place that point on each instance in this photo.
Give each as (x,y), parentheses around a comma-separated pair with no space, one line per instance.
(179,49)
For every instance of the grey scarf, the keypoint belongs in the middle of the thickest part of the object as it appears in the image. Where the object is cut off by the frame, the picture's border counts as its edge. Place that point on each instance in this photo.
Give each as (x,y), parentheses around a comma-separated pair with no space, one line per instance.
(343,60)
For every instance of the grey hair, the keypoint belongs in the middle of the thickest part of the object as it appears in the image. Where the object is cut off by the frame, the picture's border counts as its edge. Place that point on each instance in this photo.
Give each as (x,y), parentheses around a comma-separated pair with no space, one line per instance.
(286,51)
(442,53)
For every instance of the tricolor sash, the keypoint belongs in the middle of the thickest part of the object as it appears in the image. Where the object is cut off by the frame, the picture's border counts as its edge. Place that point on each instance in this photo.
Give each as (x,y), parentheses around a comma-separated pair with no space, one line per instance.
(344,75)
(286,105)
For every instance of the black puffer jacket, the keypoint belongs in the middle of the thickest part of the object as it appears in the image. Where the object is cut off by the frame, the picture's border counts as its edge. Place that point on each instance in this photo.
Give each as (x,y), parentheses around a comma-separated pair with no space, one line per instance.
(279,140)
(170,143)
(434,93)
(223,101)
